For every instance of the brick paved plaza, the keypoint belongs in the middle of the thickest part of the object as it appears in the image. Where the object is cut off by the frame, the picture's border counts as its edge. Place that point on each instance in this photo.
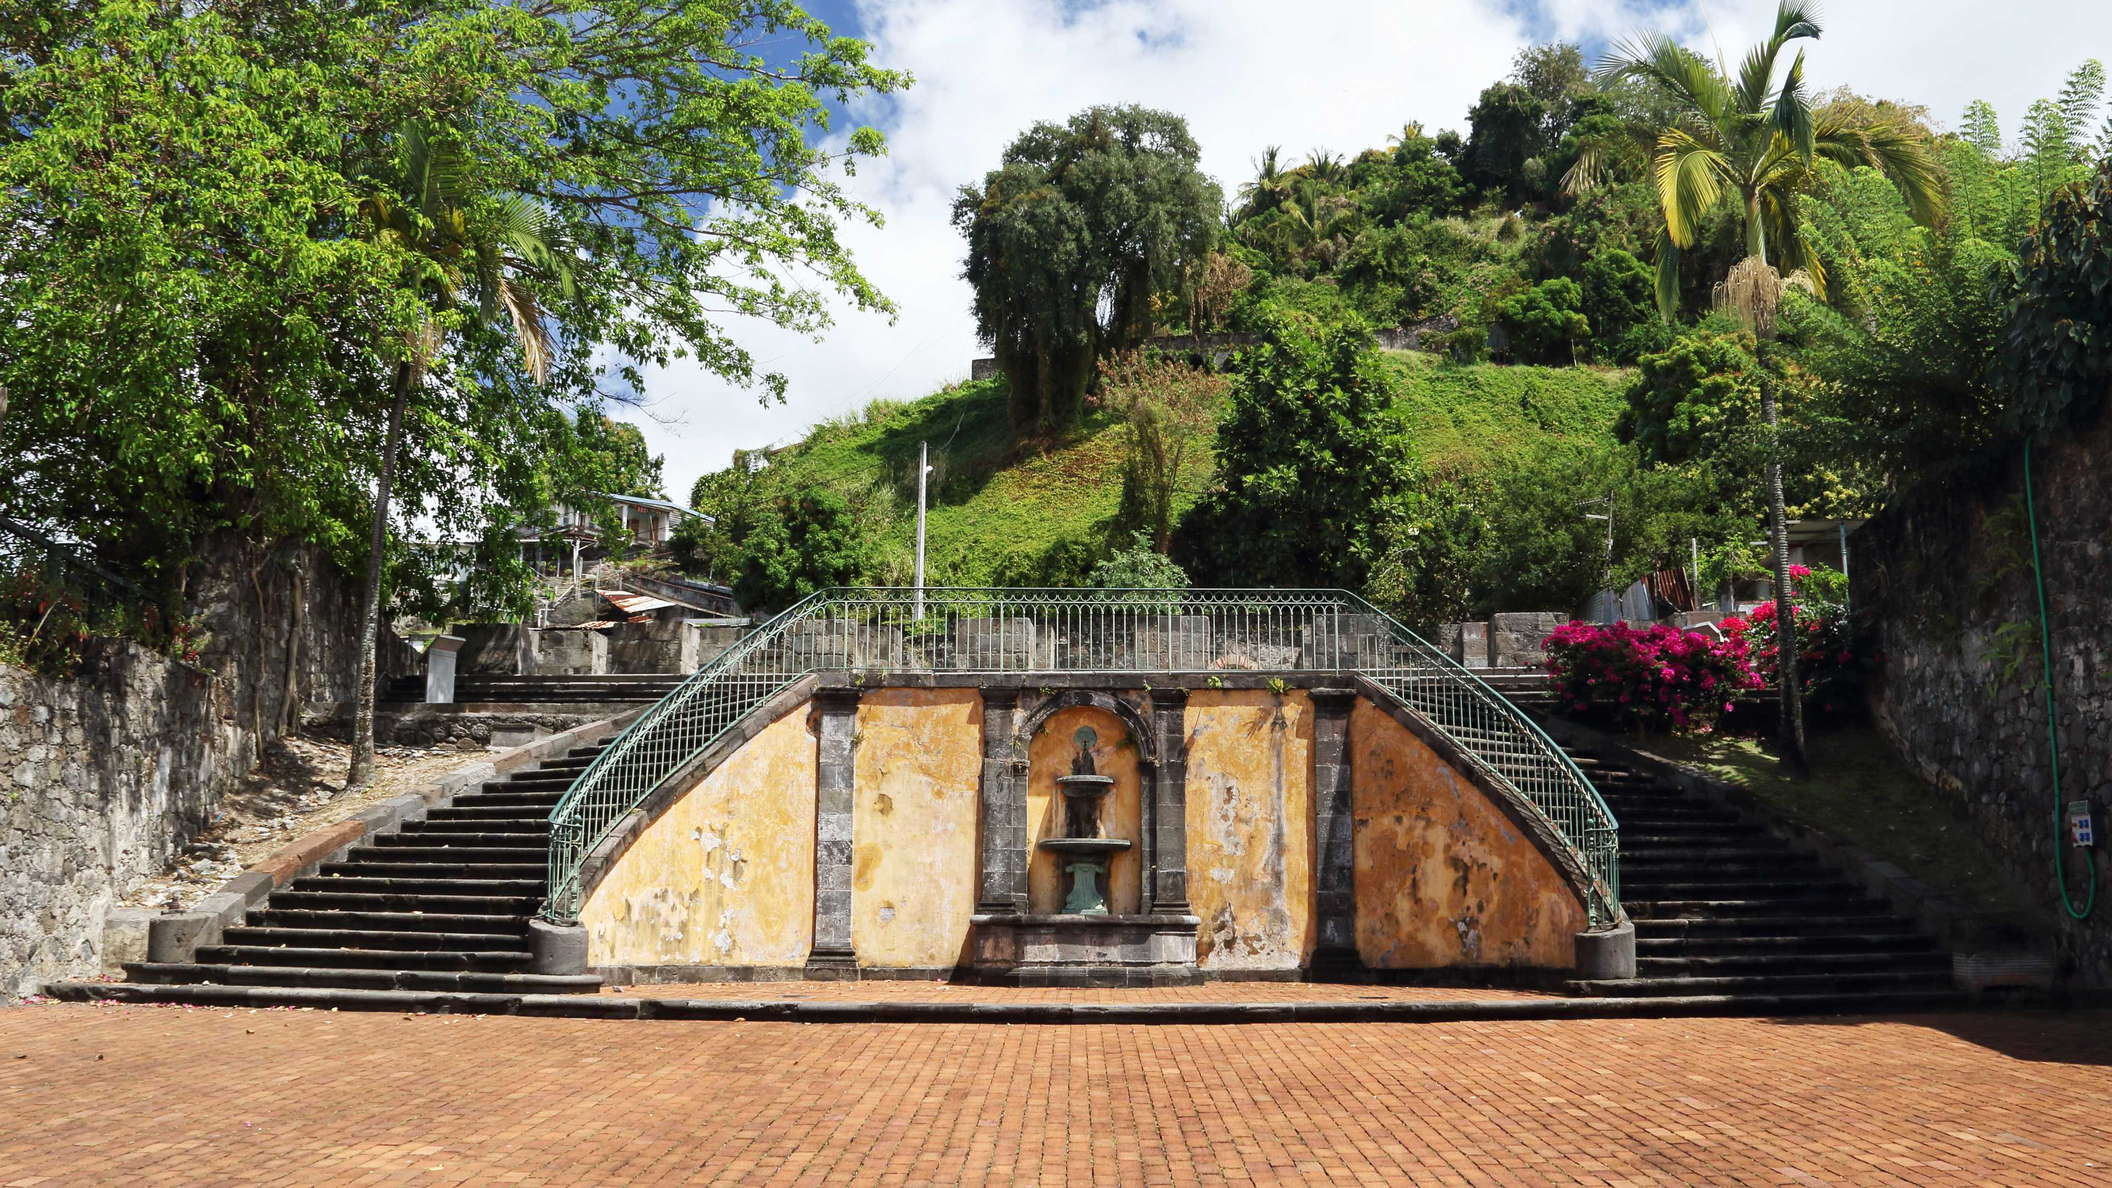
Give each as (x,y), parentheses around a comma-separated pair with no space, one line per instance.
(164,1095)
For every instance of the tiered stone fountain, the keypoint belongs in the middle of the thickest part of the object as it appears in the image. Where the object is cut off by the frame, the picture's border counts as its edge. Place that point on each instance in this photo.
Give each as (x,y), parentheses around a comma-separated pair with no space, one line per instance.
(1084,790)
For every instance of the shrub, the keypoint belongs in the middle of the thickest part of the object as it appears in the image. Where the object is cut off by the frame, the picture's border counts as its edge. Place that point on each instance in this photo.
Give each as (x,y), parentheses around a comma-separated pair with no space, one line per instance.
(1653,677)
(1828,666)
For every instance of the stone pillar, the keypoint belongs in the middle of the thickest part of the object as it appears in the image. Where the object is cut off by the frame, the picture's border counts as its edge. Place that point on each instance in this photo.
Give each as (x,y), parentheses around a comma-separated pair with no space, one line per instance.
(833,957)
(1003,796)
(1168,886)
(1334,824)
(440,669)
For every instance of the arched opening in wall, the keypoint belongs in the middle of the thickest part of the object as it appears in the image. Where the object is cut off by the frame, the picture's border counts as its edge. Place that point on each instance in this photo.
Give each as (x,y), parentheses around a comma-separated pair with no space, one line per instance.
(1117,815)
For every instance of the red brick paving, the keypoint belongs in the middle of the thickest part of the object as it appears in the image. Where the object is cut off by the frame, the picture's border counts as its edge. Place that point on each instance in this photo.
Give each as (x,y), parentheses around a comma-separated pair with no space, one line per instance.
(890,990)
(111,1094)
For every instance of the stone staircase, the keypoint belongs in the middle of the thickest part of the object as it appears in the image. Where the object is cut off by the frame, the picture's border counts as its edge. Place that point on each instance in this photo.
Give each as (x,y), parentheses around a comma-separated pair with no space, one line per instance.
(601,689)
(442,905)
(1724,908)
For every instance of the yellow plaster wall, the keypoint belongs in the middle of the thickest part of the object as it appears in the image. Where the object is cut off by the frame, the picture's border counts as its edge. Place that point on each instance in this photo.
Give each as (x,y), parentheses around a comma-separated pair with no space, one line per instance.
(913,876)
(1250,827)
(726,875)
(1443,878)
(1049,754)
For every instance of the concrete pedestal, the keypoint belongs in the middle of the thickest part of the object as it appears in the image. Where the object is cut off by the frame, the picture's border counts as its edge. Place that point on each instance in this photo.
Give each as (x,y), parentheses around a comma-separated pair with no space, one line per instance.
(440,669)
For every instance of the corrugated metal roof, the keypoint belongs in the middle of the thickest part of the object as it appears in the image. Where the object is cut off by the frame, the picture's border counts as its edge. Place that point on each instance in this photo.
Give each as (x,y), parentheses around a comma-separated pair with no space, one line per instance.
(635,604)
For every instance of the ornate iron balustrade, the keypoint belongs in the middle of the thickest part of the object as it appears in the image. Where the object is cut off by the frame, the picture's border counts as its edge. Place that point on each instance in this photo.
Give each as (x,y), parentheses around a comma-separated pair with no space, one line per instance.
(988,630)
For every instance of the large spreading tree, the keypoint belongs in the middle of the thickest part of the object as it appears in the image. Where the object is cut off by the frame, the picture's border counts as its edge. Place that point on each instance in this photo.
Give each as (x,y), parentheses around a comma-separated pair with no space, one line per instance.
(244,245)
(1071,239)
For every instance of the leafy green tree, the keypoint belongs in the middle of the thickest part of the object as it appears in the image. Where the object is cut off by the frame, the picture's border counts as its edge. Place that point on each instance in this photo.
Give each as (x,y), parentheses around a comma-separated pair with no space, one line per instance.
(796,545)
(204,306)
(613,457)
(1545,323)
(1314,463)
(1505,132)
(1751,143)
(1617,301)
(1138,567)
(1168,409)
(1696,402)
(1069,242)
(2055,360)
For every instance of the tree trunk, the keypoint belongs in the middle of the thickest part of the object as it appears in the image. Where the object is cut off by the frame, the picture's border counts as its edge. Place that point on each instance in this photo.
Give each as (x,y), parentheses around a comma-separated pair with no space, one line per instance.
(1790,732)
(362,770)
(1755,232)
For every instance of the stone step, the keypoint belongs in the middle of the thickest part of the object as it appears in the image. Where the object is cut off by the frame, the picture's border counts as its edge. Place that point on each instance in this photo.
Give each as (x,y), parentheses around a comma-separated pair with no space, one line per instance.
(532,887)
(378,869)
(1773,964)
(492,960)
(418,902)
(455,855)
(1641,871)
(450,826)
(1793,925)
(487,924)
(475,981)
(1743,984)
(288,937)
(543,801)
(1744,907)
(473,808)
(1826,888)
(1747,945)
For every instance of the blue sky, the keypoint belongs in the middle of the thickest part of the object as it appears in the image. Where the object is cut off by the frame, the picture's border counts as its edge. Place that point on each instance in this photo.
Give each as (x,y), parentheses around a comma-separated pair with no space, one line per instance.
(1332,74)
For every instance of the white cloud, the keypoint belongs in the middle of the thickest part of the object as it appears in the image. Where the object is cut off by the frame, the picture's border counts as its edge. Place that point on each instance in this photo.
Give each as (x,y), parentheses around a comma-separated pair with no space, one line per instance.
(1335,74)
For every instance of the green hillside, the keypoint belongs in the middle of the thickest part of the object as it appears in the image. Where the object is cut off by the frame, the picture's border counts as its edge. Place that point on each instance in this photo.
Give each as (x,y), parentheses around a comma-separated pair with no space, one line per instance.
(1004,517)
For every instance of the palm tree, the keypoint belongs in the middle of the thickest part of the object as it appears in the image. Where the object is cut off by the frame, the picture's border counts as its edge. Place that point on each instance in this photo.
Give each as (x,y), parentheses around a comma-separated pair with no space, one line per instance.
(461,240)
(1269,187)
(1755,142)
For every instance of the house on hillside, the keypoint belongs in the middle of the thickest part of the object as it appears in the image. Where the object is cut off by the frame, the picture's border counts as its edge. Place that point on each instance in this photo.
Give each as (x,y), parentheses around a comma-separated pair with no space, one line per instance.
(578,537)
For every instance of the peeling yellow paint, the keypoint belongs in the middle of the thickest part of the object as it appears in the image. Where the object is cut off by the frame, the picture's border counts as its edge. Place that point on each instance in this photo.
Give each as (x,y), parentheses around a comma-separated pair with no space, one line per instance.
(914,860)
(1115,754)
(1250,827)
(726,875)
(1443,878)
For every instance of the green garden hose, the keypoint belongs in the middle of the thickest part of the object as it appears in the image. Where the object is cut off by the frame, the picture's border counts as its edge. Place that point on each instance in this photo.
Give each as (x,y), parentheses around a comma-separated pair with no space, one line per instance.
(2053,737)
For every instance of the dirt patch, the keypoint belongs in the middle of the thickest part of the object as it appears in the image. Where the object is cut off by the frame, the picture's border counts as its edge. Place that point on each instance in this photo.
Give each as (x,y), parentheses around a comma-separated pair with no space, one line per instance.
(297,789)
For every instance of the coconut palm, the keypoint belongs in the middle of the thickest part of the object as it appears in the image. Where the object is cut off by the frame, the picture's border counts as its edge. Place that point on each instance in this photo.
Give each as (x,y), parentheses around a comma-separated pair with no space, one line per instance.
(472,248)
(1753,141)
(1271,185)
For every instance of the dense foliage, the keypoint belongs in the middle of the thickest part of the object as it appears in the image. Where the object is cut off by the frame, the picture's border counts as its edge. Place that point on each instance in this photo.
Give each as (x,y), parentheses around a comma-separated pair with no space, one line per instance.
(1069,242)
(232,234)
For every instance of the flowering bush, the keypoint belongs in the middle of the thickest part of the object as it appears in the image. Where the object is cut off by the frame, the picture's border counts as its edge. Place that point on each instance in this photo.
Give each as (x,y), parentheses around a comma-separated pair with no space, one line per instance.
(1652,677)
(1827,667)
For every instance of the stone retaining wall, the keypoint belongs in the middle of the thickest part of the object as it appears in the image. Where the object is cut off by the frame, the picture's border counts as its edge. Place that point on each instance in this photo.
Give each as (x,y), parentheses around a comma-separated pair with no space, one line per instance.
(106,774)
(1945,586)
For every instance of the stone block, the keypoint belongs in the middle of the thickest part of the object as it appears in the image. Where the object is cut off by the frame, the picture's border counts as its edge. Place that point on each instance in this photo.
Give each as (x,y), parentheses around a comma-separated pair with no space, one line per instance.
(126,935)
(440,657)
(176,936)
(557,949)
(1517,640)
(1608,954)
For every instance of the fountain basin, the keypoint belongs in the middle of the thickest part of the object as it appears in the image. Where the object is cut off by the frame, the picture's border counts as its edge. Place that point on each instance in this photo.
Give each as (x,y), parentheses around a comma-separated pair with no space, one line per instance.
(1085,785)
(1085,845)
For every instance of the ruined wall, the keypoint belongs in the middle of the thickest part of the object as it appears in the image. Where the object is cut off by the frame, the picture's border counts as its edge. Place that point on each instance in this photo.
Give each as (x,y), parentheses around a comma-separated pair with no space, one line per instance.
(918,767)
(107,773)
(1943,586)
(726,875)
(1443,879)
(1121,812)
(1250,827)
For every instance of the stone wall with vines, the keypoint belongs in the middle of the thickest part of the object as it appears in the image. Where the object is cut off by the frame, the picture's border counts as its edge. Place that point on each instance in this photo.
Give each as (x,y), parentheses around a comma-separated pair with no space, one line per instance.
(108,769)
(1944,586)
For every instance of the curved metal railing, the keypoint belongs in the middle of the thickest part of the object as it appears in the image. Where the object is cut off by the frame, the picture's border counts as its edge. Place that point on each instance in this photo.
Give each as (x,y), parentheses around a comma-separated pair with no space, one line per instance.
(991,630)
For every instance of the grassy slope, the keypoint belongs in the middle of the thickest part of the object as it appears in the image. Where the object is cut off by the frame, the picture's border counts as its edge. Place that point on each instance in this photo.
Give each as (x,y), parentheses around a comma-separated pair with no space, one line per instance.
(991,508)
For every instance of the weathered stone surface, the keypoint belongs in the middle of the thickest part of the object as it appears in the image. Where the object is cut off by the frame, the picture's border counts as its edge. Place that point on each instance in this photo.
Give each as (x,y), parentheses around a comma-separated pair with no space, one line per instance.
(1443,878)
(107,774)
(919,759)
(1946,583)
(1516,640)
(726,875)
(1250,827)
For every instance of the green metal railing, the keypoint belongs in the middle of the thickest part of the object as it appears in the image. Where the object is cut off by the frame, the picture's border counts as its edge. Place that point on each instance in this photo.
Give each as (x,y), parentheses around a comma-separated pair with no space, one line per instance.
(979,630)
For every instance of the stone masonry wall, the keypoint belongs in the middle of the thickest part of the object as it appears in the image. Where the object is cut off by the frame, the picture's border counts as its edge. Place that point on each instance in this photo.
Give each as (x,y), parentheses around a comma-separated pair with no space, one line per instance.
(1946,588)
(106,774)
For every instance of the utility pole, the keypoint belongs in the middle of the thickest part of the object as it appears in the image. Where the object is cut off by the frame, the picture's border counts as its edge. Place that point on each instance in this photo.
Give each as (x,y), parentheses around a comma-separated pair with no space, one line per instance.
(923,469)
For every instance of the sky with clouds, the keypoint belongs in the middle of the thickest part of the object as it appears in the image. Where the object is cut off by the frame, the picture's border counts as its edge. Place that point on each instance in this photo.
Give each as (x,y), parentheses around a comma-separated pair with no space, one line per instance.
(1332,74)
